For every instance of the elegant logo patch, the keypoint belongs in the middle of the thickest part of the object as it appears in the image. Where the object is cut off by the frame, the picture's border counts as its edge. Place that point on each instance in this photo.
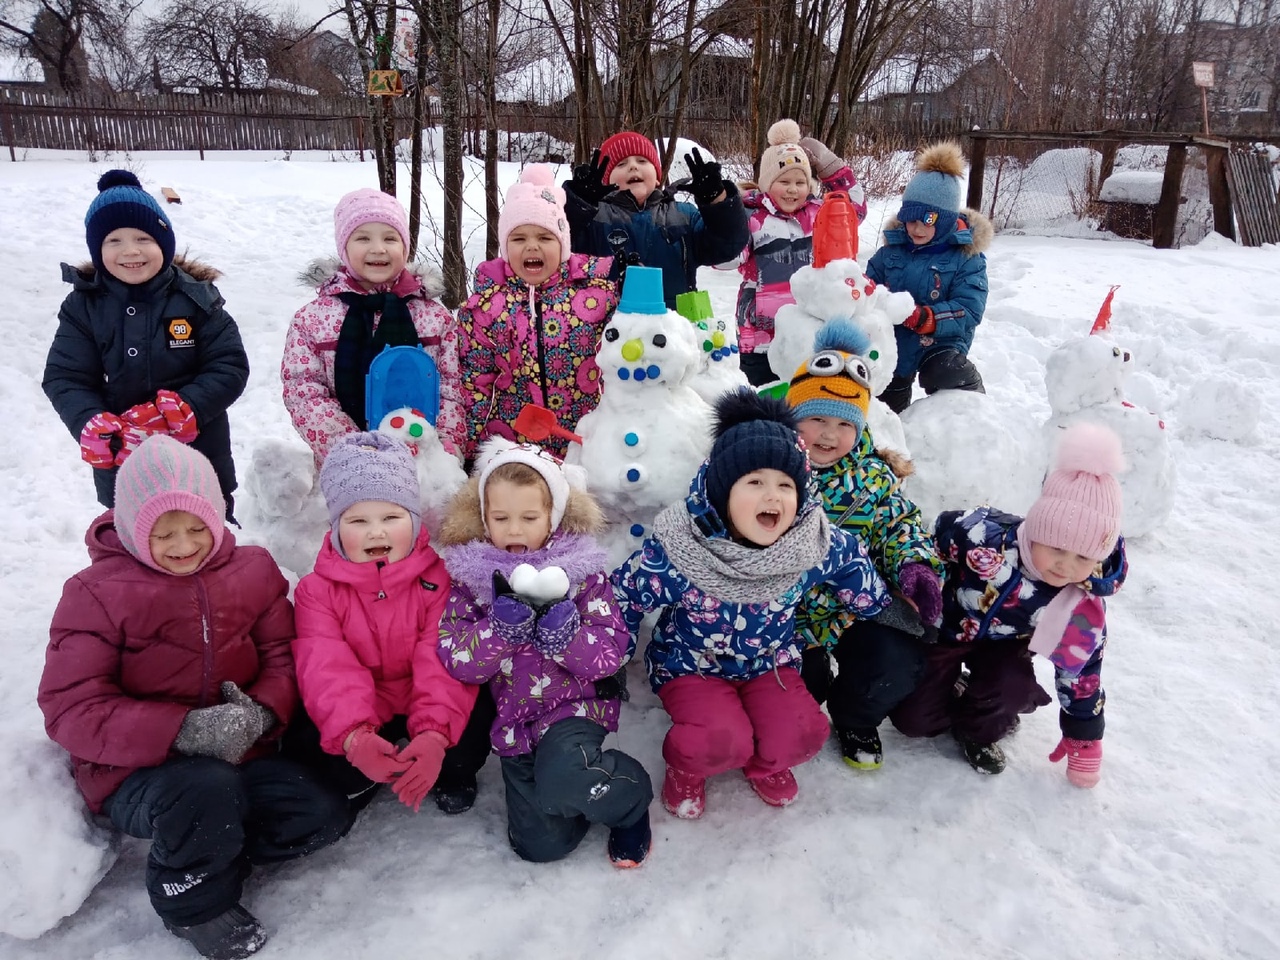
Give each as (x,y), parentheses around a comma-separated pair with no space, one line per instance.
(181,334)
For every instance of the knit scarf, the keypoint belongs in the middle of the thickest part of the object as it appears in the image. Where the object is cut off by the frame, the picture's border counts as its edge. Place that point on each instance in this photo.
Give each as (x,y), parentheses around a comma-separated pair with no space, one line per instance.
(359,343)
(1072,626)
(737,573)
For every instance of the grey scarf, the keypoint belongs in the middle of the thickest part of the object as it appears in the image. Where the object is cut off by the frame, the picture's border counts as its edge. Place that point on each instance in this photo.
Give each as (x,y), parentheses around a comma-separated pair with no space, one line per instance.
(734,572)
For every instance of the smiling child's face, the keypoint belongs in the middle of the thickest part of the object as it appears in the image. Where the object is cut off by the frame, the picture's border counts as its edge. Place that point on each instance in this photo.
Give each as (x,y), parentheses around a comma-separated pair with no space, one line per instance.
(180,542)
(828,439)
(636,174)
(762,506)
(375,530)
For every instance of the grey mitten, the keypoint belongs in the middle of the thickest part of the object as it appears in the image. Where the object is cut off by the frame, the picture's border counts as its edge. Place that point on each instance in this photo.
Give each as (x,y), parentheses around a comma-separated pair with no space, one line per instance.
(232,693)
(225,731)
(821,159)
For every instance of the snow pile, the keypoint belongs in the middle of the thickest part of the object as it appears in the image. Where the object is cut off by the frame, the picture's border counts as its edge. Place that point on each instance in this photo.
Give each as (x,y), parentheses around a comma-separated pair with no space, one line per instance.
(1132,186)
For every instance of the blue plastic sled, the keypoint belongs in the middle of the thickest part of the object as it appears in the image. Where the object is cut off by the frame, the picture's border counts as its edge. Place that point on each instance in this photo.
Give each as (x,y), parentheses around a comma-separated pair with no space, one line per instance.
(402,377)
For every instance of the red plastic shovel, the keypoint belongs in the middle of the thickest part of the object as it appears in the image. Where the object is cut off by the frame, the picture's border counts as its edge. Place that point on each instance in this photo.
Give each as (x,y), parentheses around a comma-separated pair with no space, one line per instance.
(537,423)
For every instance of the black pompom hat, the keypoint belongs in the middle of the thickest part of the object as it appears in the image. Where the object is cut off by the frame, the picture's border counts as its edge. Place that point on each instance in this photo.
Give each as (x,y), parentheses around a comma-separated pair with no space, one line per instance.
(753,432)
(121,202)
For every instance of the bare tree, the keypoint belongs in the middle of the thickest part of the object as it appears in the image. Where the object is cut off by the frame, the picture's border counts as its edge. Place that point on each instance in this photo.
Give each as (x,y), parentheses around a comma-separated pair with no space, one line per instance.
(223,44)
(56,33)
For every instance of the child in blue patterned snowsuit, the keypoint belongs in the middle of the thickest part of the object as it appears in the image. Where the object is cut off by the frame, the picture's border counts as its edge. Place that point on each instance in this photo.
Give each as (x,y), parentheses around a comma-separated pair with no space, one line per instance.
(727,567)
(1017,587)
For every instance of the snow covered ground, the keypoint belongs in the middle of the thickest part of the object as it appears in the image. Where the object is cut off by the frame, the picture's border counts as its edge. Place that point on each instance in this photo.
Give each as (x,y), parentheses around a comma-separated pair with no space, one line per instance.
(1174,855)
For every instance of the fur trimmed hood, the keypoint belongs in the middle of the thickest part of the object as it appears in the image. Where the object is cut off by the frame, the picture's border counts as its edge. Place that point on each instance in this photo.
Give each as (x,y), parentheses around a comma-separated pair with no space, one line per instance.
(980,228)
(463,524)
(321,270)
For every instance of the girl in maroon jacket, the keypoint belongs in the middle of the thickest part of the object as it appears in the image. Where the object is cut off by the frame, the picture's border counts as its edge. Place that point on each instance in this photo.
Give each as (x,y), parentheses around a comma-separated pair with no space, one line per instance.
(168,678)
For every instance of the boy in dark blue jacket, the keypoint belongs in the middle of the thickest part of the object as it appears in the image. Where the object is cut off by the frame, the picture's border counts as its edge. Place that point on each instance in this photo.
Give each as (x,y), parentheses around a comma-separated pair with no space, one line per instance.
(933,250)
(143,344)
(616,208)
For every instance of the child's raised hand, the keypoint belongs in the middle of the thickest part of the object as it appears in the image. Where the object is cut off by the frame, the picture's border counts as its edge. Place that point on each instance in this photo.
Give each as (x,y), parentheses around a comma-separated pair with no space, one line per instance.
(707,182)
(588,179)
(824,161)
(97,437)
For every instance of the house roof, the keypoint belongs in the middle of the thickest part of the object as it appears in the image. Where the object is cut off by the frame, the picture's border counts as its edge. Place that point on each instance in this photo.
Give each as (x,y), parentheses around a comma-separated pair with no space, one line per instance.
(896,76)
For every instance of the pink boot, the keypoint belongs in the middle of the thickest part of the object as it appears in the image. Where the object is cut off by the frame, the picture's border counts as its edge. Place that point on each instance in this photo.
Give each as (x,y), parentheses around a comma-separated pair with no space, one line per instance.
(684,794)
(777,789)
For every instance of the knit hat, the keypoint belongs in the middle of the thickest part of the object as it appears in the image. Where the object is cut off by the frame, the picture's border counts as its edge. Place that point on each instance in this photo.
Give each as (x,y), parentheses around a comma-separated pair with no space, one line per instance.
(752,432)
(535,199)
(783,153)
(1080,503)
(559,476)
(162,475)
(367,206)
(121,202)
(835,381)
(369,466)
(627,144)
(933,194)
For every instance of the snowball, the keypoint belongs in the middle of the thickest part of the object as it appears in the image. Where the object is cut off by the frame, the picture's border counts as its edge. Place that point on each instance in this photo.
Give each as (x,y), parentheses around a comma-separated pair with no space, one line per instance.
(1222,408)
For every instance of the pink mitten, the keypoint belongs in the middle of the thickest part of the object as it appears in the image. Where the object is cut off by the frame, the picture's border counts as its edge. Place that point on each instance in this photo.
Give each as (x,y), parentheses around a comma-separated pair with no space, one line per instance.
(426,755)
(1084,760)
(146,416)
(96,437)
(179,418)
(373,756)
(921,586)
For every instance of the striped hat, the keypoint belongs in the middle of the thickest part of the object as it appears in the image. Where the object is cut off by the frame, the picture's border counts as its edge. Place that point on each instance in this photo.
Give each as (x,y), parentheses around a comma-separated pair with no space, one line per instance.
(163,475)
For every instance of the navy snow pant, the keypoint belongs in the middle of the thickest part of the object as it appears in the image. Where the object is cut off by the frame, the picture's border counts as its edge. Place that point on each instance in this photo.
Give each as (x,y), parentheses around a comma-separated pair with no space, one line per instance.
(1001,685)
(568,783)
(946,369)
(879,666)
(208,821)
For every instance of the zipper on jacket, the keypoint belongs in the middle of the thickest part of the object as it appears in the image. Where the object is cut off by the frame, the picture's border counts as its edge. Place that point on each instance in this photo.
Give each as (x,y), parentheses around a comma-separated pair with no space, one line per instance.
(537,329)
(382,594)
(202,596)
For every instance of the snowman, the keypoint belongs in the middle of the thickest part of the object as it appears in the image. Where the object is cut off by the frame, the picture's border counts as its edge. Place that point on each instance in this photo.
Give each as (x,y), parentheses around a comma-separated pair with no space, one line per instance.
(651,430)
(1085,380)
(720,370)
(284,510)
(440,475)
(835,286)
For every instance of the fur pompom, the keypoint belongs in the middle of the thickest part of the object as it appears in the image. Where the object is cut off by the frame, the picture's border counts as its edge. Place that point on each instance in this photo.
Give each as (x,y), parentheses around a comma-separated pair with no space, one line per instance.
(1089,448)
(117,178)
(945,157)
(538,174)
(843,335)
(784,131)
(745,405)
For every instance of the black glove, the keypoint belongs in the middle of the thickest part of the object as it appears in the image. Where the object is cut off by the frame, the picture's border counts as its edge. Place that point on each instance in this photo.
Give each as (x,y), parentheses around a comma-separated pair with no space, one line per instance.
(588,179)
(706,182)
(613,687)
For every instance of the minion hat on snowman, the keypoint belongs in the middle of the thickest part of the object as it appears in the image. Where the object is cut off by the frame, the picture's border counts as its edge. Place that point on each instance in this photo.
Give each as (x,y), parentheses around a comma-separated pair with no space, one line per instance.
(933,195)
(835,382)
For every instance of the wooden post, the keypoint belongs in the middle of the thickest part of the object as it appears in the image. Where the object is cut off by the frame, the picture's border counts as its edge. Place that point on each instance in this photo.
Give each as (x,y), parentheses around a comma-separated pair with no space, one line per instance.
(1166,219)
(977,167)
(1219,195)
(8,132)
(1107,165)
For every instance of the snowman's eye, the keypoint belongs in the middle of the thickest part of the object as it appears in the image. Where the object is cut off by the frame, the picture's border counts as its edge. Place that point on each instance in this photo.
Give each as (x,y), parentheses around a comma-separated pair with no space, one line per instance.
(611,334)
(659,339)
(1115,351)
(1127,356)
(828,363)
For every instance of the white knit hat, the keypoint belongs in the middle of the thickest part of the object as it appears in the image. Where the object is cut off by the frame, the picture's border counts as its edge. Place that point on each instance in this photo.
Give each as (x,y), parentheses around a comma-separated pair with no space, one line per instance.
(558,476)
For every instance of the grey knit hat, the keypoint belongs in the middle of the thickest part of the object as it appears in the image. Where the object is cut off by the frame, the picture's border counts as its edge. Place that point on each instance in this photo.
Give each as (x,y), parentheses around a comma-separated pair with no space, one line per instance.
(369,466)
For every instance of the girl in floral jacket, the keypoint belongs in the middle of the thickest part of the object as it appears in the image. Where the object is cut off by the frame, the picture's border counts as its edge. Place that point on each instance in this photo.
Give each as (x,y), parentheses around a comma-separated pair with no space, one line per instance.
(531,613)
(370,301)
(530,331)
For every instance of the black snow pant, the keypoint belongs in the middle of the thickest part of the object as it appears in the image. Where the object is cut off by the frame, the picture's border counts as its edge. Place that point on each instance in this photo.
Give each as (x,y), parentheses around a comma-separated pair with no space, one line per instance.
(755,366)
(946,369)
(462,761)
(568,783)
(879,667)
(208,821)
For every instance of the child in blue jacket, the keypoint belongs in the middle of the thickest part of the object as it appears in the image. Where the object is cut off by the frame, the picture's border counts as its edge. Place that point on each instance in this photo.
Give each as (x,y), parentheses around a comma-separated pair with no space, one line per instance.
(616,207)
(1017,587)
(934,251)
(727,567)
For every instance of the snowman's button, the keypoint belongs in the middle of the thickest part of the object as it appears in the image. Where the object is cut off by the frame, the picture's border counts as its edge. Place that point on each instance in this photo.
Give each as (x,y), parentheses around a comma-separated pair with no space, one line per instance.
(654,371)
(633,475)
(733,348)
(637,530)
(415,430)
(630,439)
(624,373)
(397,423)
(639,374)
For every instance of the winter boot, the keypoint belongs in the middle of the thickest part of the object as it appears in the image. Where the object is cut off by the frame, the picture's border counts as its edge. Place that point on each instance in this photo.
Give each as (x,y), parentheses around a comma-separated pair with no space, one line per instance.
(777,789)
(457,797)
(628,846)
(683,794)
(861,748)
(229,936)
(983,757)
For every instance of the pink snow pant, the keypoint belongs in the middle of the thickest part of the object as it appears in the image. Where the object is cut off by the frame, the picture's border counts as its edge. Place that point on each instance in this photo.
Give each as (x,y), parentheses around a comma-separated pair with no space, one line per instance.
(764,726)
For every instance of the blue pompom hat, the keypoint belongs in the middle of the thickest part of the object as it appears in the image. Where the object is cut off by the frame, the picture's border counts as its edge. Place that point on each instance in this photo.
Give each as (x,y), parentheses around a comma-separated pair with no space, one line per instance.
(933,195)
(121,202)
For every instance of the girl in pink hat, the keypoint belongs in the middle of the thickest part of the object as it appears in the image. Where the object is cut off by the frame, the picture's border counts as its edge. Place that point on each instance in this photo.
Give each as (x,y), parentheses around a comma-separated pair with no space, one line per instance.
(369,298)
(1021,586)
(530,331)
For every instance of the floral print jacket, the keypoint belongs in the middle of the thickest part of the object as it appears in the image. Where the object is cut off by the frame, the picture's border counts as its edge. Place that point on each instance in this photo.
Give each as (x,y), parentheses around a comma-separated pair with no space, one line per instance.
(522,344)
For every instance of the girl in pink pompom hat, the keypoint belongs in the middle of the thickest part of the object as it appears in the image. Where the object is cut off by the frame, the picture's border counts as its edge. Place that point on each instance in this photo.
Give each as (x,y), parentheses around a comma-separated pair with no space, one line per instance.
(1017,587)
(529,332)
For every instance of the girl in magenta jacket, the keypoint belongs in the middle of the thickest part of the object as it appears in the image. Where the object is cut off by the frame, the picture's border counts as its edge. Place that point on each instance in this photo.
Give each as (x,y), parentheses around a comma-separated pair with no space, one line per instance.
(371,301)
(368,619)
(168,679)
(530,332)
(531,613)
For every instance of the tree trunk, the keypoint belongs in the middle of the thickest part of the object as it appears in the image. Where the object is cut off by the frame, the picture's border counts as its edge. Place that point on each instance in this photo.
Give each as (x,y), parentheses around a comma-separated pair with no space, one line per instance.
(491,132)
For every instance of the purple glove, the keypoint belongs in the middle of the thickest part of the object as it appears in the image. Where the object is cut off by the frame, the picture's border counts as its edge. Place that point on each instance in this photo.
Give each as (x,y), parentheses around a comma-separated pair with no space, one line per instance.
(557,628)
(512,620)
(923,590)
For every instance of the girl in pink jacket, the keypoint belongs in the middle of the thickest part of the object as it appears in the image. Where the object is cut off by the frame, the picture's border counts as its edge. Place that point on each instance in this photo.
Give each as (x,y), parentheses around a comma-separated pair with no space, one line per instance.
(530,332)
(371,301)
(367,631)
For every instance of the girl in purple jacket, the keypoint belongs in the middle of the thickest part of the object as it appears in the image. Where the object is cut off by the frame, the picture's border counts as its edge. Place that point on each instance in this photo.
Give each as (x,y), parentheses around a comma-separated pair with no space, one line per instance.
(531,612)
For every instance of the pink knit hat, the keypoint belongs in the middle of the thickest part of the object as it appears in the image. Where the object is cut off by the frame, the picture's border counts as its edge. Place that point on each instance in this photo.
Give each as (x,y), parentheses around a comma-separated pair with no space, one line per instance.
(1080,503)
(535,199)
(367,206)
(629,144)
(163,475)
